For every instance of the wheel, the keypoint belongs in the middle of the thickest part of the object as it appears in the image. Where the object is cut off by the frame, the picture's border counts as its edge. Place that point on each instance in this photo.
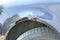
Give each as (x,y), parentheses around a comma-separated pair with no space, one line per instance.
(31,30)
(40,33)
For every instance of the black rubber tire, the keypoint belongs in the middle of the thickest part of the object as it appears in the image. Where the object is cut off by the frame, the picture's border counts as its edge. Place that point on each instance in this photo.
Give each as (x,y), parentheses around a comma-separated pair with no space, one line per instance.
(21,28)
(25,26)
(40,33)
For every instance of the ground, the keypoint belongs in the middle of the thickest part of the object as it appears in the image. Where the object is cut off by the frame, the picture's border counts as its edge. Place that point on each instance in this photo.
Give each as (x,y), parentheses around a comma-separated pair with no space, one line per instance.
(2,37)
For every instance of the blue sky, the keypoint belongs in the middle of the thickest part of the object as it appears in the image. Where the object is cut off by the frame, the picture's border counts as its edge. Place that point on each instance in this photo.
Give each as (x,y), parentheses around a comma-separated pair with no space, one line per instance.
(8,3)
(11,3)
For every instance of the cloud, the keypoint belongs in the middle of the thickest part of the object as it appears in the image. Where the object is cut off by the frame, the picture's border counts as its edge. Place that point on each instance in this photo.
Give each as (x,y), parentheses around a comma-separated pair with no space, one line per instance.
(3,1)
(3,17)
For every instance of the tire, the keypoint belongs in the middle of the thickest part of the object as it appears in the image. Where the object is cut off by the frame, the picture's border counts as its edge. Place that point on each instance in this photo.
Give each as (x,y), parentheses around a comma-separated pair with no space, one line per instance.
(40,33)
(31,30)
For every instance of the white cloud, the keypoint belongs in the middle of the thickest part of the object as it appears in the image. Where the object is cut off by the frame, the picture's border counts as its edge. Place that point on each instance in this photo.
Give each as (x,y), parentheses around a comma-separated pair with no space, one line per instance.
(3,17)
(3,1)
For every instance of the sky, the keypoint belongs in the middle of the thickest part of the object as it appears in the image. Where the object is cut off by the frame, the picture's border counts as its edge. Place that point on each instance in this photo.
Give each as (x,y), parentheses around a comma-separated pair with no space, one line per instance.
(10,3)
(3,2)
